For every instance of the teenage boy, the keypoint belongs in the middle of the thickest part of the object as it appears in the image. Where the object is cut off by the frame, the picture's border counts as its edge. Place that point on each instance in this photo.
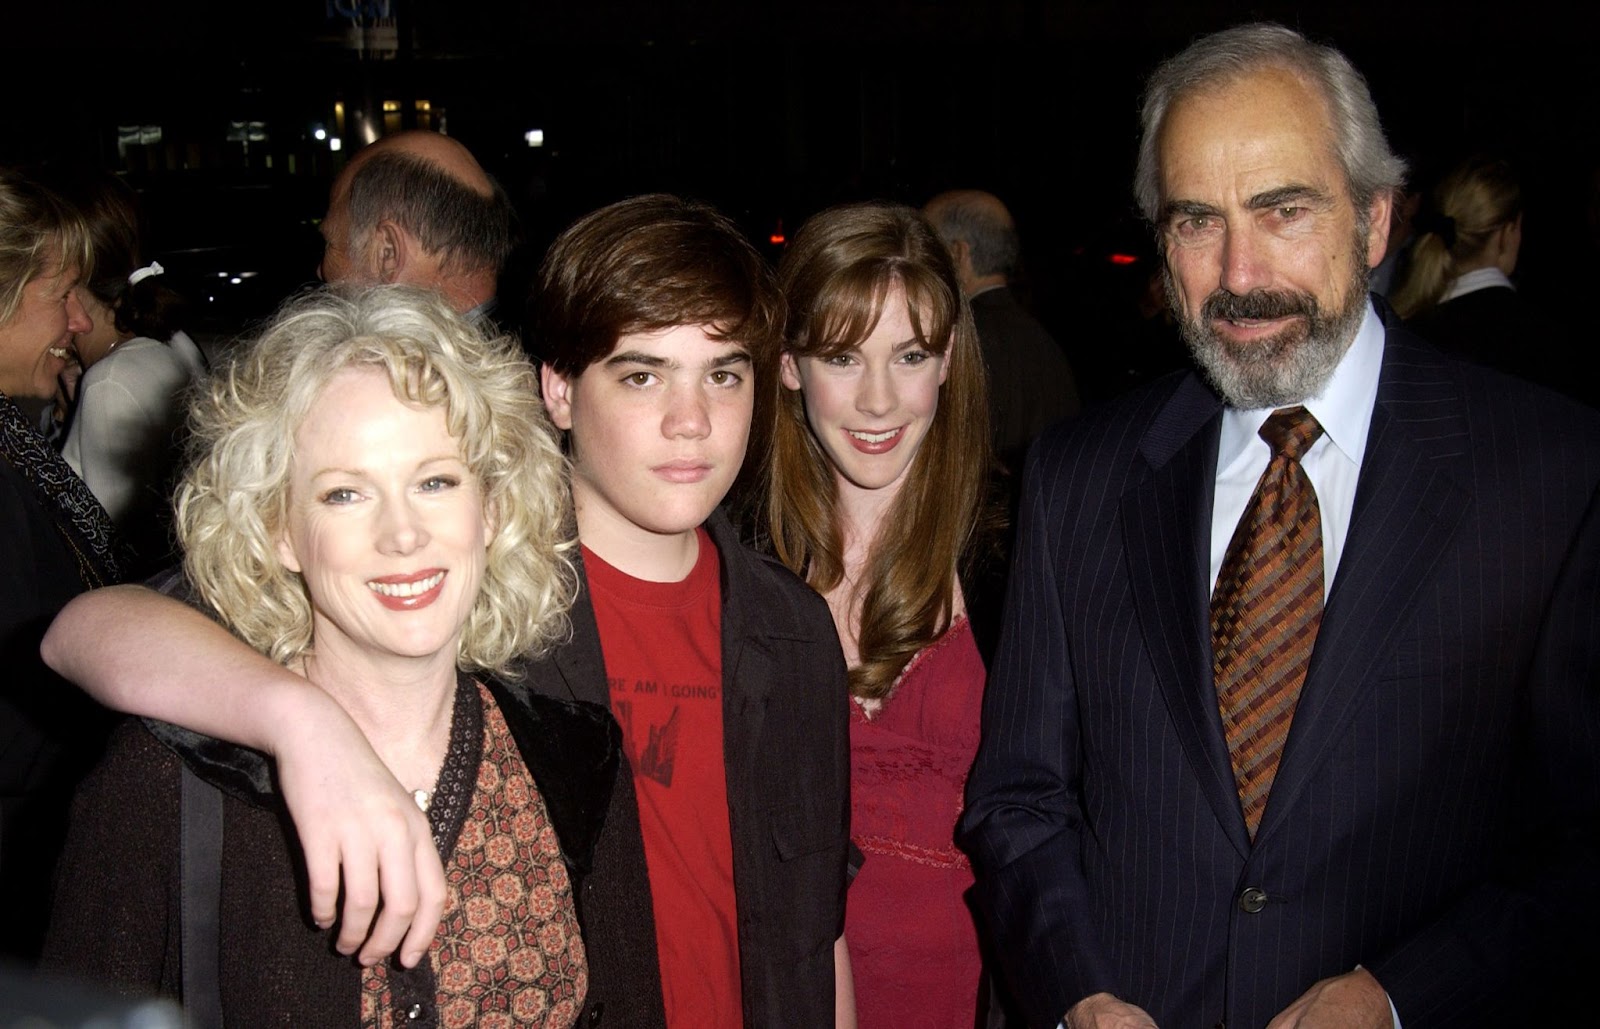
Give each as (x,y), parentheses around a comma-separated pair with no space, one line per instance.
(657,321)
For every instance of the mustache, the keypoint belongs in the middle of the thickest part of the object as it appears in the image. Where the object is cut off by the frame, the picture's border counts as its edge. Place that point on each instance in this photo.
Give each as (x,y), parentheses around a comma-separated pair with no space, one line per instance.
(1257,304)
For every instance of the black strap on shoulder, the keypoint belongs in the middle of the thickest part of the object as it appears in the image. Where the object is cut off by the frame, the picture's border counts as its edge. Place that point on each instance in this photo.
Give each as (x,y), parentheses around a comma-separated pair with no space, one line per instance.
(200,869)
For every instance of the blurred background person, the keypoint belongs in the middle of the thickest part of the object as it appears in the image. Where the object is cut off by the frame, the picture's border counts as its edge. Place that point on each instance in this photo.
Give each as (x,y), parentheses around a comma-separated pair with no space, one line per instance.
(877,488)
(1457,290)
(417,208)
(376,501)
(55,542)
(137,363)
(1030,382)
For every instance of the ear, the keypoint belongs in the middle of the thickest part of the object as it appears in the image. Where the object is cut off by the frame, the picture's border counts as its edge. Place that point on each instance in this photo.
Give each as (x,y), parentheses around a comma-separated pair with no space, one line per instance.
(286,555)
(388,251)
(1378,227)
(789,371)
(557,392)
(961,253)
(947,359)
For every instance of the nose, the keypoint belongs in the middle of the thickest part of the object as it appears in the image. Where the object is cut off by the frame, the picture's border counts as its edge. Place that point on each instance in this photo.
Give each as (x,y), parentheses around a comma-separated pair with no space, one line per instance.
(401,528)
(688,414)
(876,395)
(78,320)
(1243,264)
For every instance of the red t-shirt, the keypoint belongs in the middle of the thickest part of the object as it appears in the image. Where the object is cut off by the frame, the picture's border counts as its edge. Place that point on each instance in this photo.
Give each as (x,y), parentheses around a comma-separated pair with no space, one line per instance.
(662,643)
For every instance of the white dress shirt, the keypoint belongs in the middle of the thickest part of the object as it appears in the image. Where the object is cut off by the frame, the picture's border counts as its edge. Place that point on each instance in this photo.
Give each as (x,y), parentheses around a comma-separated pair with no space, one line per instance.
(1479,278)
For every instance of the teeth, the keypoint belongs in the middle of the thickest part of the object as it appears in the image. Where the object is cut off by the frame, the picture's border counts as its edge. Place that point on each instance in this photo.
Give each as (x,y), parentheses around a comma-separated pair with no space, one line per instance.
(407,589)
(61,352)
(874,437)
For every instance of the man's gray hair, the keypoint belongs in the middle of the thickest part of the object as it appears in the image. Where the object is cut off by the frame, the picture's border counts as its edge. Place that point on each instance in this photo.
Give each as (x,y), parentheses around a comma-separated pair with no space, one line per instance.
(468,230)
(977,221)
(1359,145)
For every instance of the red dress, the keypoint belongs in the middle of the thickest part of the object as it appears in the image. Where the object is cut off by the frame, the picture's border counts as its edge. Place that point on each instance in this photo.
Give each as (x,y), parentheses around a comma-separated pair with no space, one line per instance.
(913,945)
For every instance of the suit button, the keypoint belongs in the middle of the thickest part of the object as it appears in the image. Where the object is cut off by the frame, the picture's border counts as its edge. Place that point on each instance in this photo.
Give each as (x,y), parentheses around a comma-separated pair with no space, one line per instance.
(1252,900)
(595,1013)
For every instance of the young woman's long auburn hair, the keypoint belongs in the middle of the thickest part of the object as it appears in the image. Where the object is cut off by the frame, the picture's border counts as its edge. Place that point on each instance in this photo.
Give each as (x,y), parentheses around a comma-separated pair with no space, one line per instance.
(835,277)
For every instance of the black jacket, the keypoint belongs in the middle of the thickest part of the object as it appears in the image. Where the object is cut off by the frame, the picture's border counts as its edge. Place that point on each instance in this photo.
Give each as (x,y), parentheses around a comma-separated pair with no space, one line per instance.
(787,743)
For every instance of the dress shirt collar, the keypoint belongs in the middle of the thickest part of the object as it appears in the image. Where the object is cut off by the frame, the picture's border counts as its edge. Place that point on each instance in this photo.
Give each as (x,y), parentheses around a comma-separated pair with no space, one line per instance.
(1478,278)
(1343,408)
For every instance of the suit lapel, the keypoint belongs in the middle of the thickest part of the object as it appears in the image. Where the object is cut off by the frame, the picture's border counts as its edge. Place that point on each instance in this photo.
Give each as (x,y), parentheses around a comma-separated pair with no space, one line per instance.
(1409,503)
(1167,532)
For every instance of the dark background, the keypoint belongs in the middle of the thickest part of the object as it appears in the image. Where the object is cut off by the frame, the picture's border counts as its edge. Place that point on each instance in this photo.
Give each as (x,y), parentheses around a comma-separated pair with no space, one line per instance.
(770,111)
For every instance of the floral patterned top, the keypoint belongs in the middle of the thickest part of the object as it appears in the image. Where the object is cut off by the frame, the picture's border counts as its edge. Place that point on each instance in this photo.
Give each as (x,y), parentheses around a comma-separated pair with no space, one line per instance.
(509,952)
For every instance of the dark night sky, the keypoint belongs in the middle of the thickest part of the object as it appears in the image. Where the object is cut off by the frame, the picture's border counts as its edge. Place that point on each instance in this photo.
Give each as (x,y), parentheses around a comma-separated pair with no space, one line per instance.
(775,110)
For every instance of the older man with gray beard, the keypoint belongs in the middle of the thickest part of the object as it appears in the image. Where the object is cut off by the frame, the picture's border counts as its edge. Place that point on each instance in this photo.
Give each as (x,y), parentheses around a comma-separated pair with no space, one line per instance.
(1293,719)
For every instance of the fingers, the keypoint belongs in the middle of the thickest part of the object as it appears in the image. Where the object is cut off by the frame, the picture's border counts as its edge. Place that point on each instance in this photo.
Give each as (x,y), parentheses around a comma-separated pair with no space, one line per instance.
(322,877)
(430,906)
(397,877)
(1104,1011)
(359,864)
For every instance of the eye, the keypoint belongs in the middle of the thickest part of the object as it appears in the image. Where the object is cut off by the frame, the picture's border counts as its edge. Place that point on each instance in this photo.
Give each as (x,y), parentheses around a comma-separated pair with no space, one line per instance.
(438,483)
(839,360)
(1194,225)
(339,495)
(1289,213)
(724,377)
(639,380)
(915,357)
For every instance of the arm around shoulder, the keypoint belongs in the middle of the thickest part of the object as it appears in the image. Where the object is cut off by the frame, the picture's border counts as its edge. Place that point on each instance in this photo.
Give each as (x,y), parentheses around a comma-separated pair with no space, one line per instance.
(139,651)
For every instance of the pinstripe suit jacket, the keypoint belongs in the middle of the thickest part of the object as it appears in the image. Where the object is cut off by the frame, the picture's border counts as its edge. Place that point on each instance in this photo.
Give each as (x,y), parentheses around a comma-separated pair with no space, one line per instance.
(1434,816)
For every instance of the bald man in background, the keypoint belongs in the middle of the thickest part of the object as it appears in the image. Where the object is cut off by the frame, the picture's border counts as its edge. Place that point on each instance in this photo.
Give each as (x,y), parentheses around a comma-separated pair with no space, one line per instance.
(1030,382)
(417,208)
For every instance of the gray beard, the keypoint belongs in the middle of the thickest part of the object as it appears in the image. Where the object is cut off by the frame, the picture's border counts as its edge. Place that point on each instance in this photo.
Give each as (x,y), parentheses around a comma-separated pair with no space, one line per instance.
(1280,370)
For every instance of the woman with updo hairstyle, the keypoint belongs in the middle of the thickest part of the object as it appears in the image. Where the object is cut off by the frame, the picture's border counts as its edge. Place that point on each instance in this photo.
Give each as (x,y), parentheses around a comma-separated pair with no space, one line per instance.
(375,499)
(137,364)
(877,495)
(1457,291)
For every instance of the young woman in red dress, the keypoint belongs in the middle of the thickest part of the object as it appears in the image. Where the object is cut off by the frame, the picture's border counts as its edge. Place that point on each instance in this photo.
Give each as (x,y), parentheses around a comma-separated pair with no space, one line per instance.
(877,488)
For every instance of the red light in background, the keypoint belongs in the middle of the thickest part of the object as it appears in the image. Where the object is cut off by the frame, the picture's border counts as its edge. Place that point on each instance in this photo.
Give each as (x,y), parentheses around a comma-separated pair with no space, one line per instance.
(1123,259)
(776,239)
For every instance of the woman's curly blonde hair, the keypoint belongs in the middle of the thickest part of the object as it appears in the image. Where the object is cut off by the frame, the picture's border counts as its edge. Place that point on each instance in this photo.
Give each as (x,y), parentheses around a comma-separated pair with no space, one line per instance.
(232,502)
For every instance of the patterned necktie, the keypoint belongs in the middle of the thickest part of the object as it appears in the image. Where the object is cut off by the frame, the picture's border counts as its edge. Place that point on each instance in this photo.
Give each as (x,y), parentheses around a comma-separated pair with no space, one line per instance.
(1266,609)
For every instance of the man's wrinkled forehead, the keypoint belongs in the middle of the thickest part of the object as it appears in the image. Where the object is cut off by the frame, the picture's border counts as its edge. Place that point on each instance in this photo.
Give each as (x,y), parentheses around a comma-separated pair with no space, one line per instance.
(1264,121)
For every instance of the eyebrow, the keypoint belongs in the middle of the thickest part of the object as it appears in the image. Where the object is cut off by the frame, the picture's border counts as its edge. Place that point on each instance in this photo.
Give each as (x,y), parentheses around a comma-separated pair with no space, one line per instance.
(363,472)
(1285,195)
(1191,208)
(738,356)
(638,357)
(1279,196)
